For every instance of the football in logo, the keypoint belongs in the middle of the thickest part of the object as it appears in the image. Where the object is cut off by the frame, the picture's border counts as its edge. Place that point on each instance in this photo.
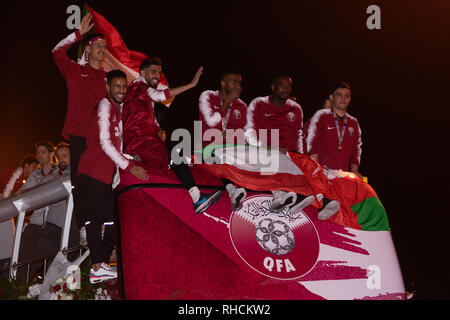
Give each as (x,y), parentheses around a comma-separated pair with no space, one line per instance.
(282,245)
(275,236)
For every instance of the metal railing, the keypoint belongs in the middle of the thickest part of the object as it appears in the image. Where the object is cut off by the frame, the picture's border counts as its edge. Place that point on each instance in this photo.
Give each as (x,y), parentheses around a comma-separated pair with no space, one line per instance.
(32,199)
(27,263)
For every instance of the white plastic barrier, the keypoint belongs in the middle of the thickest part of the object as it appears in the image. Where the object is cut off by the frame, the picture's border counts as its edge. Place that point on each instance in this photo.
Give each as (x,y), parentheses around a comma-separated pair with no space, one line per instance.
(32,199)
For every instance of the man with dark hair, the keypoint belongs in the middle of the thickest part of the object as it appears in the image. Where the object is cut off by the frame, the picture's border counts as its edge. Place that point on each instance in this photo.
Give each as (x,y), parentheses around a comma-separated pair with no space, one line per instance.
(86,87)
(334,136)
(98,175)
(63,157)
(143,136)
(20,175)
(223,109)
(45,154)
(278,112)
(28,164)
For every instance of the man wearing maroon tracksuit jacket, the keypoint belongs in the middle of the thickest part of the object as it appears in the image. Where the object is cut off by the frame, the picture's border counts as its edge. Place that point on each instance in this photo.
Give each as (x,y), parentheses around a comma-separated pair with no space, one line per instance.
(334,136)
(279,112)
(86,87)
(98,175)
(143,138)
(223,110)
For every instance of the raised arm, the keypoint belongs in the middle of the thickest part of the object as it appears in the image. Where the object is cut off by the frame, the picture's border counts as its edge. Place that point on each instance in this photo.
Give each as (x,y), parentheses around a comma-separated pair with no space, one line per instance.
(60,51)
(176,91)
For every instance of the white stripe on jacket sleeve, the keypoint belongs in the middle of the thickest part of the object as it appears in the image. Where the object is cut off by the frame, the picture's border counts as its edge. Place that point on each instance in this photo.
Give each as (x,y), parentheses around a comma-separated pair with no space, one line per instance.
(104,113)
(312,129)
(12,181)
(156,95)
(358,143)
(212,119)
(70,39)
(250,132)
(300,132)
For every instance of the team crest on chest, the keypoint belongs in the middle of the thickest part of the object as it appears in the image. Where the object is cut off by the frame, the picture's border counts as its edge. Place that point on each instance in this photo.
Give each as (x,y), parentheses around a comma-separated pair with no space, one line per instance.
(291,117)
(351,131)
(237,114)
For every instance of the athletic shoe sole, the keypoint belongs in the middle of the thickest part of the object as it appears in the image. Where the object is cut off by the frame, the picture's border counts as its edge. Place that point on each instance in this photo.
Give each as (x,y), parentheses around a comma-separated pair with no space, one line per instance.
(286,200)
(330,209)
(96,279)
(236,205)
(213,198)
(302,204)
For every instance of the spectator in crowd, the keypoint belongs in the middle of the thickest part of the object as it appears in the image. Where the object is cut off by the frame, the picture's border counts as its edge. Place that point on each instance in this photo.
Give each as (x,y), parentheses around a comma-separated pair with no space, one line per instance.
(20,175)
(143,136)
(334,136)
(223,109)
(42,236)
(17,179)
(63,158)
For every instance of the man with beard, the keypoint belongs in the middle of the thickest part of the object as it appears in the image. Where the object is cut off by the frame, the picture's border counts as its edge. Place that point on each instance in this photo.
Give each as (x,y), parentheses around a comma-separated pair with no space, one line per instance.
(86,87)
(279,112)
(221,110)
(98,175)
(63,158)
(144,138)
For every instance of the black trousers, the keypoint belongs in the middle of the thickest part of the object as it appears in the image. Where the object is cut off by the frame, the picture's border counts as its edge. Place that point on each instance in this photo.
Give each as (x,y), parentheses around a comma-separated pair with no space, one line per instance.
(77,147)
(97,210)
(38,241)
(184,174)
(182,171)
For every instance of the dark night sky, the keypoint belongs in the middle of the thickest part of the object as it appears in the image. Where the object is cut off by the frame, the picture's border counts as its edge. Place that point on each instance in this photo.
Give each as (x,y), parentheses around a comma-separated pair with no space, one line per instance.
(398,77)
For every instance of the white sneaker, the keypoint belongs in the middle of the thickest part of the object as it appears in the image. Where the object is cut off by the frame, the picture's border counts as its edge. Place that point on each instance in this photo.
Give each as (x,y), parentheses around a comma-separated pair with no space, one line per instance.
(282,200)
(330,209)
(83,236)
(301,204)
(236,197)
(103,273)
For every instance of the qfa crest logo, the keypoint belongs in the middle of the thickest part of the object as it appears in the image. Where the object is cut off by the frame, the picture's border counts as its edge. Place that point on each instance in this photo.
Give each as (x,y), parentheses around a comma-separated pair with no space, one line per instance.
(282,246)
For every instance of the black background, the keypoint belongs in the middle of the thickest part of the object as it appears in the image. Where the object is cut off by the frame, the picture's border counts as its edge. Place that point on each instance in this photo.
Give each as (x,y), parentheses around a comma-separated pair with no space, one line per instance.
(399,79)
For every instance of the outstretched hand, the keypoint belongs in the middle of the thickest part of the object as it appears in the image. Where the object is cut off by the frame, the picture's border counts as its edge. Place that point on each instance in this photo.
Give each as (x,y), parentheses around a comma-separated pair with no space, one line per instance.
(199,72)
(86,24)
